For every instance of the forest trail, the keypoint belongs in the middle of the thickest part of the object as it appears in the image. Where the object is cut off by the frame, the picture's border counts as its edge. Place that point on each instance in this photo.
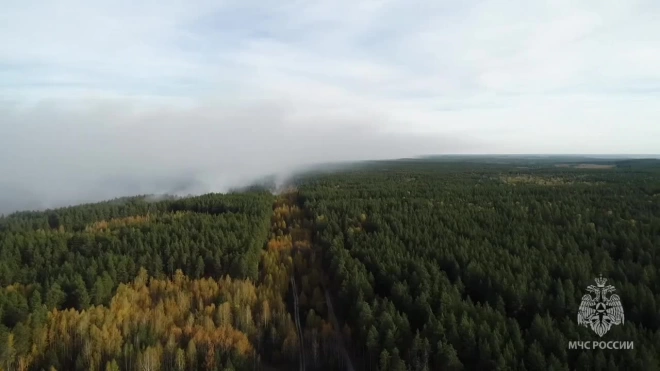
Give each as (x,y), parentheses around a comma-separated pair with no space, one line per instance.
(291,235)
(296,308)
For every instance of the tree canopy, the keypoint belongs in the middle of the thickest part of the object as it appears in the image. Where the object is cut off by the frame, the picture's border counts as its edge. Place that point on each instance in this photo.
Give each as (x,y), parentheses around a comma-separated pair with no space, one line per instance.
(429,264)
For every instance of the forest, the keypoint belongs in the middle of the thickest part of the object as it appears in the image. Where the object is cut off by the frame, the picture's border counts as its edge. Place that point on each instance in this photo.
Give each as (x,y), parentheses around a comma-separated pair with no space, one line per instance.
(420,264)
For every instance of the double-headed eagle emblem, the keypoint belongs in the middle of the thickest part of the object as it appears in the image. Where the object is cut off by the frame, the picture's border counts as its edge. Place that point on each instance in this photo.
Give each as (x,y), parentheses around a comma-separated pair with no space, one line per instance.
(600,312)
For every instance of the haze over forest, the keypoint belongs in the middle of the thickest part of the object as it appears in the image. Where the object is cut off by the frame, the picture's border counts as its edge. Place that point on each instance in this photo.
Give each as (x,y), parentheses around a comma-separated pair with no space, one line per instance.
(105,100)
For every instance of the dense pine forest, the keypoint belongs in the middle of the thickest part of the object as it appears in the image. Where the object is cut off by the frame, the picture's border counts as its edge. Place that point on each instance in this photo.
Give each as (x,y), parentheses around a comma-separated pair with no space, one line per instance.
(427,264)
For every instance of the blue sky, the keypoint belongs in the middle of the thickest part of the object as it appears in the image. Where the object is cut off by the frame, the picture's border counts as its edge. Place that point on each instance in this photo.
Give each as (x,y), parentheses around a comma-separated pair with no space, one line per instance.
(389,78)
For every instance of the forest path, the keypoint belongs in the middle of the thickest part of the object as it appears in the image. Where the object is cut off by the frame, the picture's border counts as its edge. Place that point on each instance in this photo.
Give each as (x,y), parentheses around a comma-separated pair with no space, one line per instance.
(296,307)
(290,222)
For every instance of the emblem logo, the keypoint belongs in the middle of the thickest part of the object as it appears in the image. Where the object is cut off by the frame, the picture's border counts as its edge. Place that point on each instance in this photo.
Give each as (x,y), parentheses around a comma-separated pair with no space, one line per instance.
(600,312)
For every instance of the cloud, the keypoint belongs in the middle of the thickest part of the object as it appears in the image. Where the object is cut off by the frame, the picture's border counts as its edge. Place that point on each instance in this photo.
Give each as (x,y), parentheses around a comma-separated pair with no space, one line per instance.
(105,98)
(59,156)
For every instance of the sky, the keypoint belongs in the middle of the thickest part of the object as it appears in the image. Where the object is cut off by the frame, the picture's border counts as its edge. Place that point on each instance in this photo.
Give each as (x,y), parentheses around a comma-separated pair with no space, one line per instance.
(107,98)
